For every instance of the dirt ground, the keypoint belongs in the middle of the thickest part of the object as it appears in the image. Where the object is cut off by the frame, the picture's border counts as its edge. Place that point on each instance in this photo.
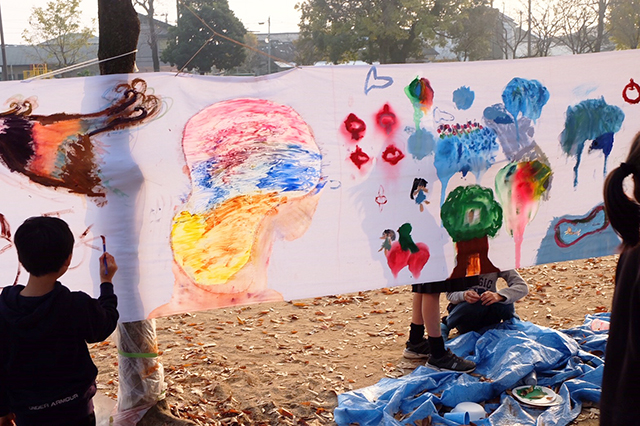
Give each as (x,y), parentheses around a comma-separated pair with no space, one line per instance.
(286,362)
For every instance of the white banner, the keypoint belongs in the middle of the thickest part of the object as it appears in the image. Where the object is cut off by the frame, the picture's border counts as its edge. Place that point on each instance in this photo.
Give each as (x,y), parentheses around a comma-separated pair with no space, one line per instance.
(218,191)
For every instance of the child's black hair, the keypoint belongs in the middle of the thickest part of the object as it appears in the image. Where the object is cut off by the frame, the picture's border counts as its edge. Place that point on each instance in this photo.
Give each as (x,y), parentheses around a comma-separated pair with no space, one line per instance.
(43,244)
(416,183)
(622,211)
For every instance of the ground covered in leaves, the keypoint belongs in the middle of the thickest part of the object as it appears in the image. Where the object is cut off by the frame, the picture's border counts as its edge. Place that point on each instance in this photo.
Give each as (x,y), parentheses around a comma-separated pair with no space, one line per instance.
(285,363)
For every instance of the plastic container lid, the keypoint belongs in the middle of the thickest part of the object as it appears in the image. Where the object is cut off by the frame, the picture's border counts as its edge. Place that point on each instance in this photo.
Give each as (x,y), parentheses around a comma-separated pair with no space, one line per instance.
(476,411)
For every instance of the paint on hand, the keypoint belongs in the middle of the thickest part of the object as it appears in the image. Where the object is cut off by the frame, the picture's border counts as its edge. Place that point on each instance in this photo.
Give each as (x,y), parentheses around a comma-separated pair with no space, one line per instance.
(519,188)
(463,97)
(464,148)
(591,119)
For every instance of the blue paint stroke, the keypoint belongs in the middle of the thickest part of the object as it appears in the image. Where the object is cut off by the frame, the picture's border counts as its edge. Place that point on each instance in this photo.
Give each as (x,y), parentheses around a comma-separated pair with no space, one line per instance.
(287,168)
(379,82)
(598,239)
(526,97)
(517,142)
(464,152)
(498,114)
(440,116)
(591,119)
(463,97)
(421,143)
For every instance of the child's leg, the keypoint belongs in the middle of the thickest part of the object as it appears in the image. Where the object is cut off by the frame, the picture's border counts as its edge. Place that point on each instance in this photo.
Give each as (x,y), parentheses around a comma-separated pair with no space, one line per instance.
(416,309)
(431,316)
(431,313)
(417,347)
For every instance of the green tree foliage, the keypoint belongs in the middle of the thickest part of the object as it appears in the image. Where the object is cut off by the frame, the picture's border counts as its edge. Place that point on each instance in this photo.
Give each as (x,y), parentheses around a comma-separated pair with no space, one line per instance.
(387,31)
(472,31)
(55,29)
(471,212)
(192,34)
(624,23)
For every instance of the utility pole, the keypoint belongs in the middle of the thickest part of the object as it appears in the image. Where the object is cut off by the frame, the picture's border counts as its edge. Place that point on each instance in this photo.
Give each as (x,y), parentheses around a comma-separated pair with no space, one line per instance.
(269,44)
(4,52)
(268,41)
(529,35)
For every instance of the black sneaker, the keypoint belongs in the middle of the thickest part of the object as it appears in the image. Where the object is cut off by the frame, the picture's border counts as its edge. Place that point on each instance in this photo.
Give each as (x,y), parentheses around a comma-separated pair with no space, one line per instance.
(417,350)
(451,362)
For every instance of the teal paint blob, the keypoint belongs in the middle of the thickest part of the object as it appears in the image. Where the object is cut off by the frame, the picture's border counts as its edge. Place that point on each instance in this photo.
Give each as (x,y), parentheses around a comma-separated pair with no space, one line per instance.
(421,143)
(594,120)
(463,97)
(526,97)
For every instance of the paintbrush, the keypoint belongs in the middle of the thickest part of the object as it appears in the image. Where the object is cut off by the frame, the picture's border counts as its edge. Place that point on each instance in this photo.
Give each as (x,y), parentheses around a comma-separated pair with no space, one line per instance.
(104,250)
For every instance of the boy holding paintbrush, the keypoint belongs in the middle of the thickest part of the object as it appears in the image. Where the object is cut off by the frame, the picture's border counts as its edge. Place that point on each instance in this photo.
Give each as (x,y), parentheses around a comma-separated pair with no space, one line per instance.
(47,377)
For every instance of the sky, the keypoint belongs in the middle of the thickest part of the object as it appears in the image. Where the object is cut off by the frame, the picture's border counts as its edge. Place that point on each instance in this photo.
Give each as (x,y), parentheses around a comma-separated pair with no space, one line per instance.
(282,13)
(254,14)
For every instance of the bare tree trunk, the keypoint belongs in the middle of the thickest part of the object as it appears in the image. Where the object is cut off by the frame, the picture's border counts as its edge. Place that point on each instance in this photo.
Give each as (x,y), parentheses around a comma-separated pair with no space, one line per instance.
(153,37)
(602,9)
(119,30)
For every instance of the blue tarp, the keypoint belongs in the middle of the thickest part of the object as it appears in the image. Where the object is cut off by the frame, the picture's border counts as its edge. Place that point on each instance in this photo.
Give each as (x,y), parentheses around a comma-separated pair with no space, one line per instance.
(571,360)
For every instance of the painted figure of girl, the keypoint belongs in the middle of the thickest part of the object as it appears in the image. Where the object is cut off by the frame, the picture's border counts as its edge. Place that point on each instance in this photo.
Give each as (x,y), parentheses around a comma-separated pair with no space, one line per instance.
(388,236)
(419,192)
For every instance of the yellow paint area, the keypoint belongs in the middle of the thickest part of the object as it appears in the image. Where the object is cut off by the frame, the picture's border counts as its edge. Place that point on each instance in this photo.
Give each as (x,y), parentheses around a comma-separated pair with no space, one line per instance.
(213,246)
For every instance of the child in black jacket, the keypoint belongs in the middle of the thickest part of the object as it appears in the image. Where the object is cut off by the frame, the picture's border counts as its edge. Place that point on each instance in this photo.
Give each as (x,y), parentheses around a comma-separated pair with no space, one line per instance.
(47,377)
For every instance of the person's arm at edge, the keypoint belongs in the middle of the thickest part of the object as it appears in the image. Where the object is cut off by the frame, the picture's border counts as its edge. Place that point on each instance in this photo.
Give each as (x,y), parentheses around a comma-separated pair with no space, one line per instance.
(455,297)
(517,287)
(102,314)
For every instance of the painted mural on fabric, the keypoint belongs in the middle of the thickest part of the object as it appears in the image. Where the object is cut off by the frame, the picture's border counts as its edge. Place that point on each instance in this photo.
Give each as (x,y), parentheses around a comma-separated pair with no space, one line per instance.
(222,192)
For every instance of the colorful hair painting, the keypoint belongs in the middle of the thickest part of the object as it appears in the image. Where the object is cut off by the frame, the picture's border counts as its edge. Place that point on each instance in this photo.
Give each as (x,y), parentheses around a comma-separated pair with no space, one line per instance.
(246,158)
(57,151)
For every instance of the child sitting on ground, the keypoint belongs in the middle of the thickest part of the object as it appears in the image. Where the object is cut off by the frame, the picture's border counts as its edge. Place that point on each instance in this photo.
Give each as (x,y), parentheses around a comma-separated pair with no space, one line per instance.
(484,305)
(47,377)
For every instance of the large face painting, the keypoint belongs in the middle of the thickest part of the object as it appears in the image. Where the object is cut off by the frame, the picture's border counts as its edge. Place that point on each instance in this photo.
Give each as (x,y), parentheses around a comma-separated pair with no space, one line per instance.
(221,191)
